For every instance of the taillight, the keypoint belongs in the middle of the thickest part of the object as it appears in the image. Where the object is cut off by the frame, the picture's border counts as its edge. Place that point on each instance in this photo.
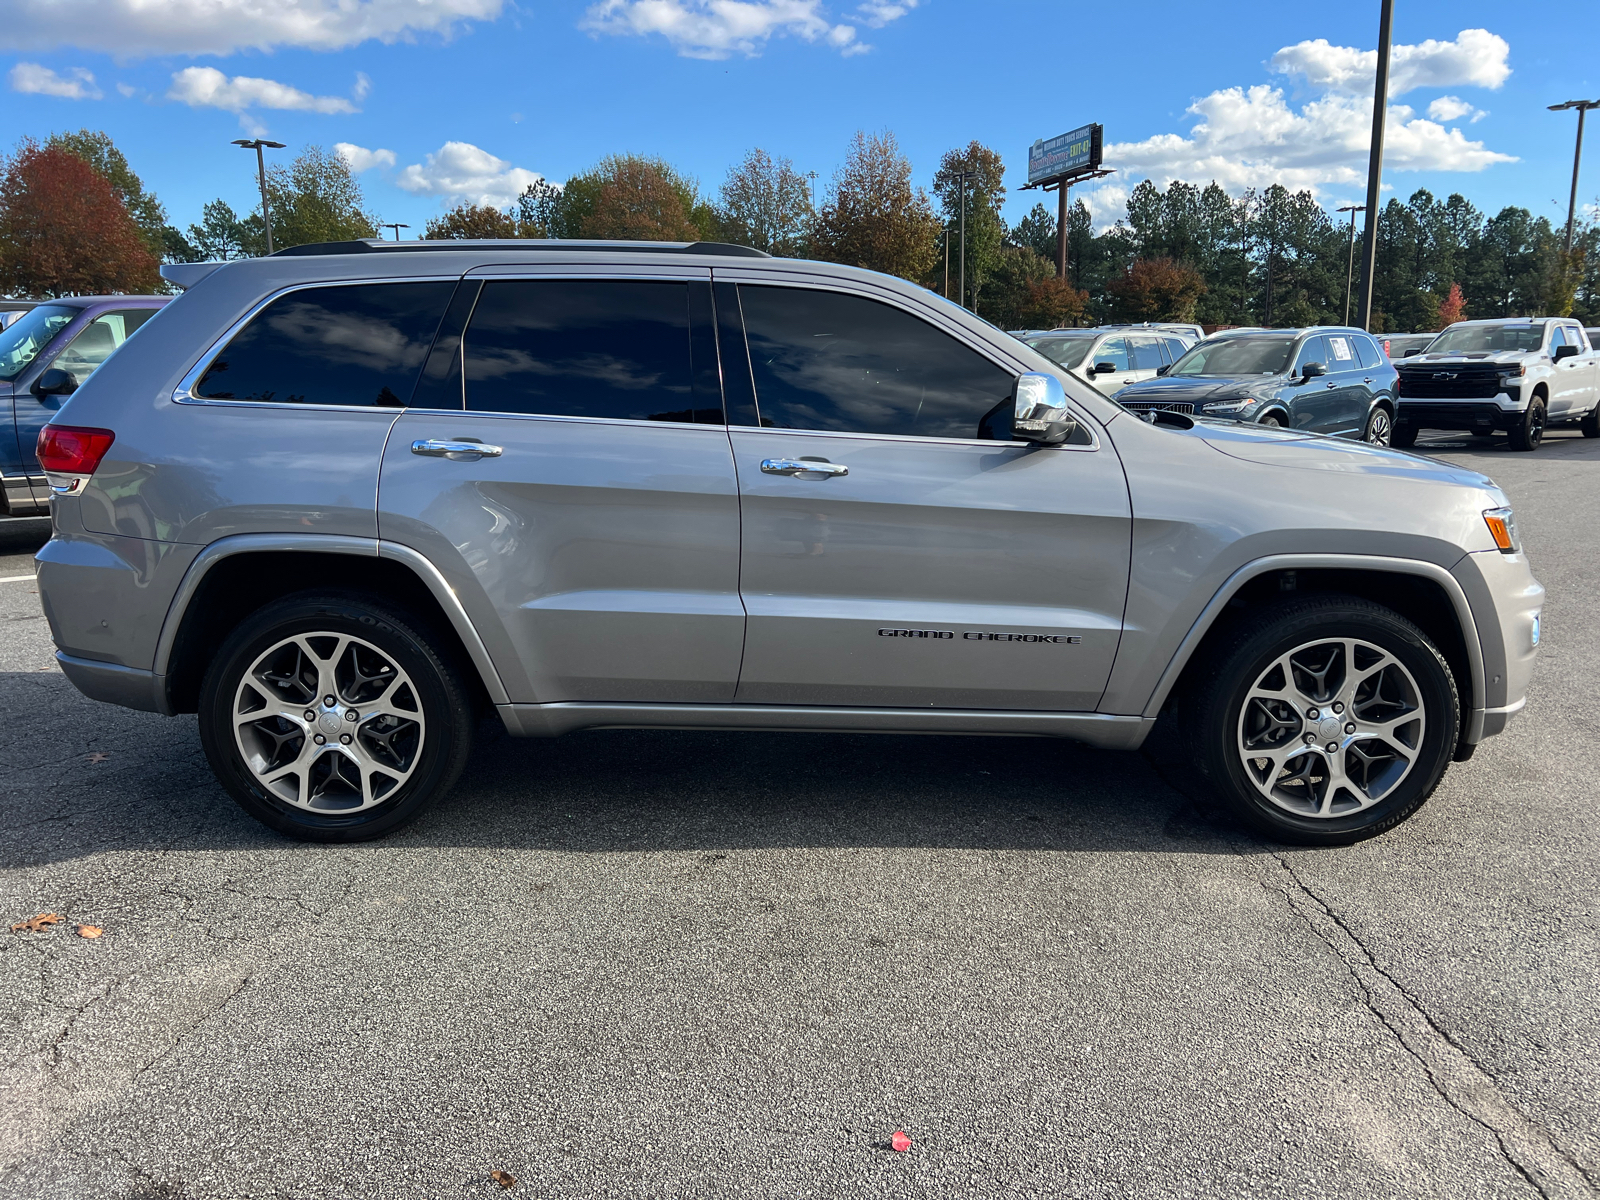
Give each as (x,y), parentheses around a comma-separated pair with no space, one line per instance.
(70,454)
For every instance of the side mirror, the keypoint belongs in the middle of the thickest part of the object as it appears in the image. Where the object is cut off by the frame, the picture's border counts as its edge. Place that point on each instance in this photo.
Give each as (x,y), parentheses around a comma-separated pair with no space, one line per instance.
(1102,368)
(1312,370)
(1161,370)
(55,382)
(1565,352)
(1408,352)
(1041,411)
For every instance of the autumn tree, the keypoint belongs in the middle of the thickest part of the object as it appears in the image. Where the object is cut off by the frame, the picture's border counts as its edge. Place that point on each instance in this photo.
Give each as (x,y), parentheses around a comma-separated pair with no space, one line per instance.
(317,199)
(64,230)
(985,192)
(766,204)
(97,149)
(1157,289)
(1051,303)
(874,217)
(1452,308)
(637,201)
(467,221)
(1007,293)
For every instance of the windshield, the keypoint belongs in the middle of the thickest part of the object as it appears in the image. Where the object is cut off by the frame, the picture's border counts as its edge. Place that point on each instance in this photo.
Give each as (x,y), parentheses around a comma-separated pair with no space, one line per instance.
(1068,351)
(1237,356)
(21,343)
(1459,338)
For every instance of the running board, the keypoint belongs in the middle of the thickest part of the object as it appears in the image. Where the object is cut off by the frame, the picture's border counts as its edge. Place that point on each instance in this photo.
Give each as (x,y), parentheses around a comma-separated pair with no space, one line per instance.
(1097,729)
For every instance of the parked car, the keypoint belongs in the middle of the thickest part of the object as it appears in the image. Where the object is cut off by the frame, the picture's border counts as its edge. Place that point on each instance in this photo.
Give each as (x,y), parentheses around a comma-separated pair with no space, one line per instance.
(45,355)
(1188,334)
(344,500)
(1109,360)
(1404,345)
(11,310)
(1324,380)
(1519,376)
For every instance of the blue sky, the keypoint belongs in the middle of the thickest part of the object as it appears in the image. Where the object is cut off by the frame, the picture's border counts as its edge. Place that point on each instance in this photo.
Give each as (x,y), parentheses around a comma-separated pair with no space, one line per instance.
(444,100)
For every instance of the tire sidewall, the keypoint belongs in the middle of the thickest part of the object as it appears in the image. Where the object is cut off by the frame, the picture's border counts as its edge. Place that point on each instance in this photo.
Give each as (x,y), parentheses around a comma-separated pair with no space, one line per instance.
(447,725)
(1378,415)
(1238,673)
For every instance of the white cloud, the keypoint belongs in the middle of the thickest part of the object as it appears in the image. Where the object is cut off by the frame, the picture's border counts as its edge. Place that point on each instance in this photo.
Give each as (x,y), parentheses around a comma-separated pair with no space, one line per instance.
(127,90)
(207,87)
(359,158)
(1477,58)
(32,79)
(1453,108)
(461,172)
(718,28)
(128,28)
(363,86)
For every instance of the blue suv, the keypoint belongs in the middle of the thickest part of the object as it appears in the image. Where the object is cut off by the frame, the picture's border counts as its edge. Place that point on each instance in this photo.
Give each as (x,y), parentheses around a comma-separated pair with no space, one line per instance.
(1331,380)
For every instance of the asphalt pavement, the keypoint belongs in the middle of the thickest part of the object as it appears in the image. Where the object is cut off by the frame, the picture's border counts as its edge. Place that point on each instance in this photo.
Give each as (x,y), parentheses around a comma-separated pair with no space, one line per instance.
(691,964)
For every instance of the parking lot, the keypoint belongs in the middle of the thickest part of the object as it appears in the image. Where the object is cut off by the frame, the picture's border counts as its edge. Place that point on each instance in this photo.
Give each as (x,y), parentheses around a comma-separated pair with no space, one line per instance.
(673,964)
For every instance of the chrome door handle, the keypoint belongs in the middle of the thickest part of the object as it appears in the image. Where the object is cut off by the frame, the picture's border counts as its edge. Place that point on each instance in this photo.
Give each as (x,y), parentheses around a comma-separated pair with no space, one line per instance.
(802,466)
(1368,379)
(463,451)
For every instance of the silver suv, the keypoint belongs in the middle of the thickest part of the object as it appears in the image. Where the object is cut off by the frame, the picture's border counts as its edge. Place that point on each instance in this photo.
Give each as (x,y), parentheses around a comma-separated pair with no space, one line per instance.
(344,501)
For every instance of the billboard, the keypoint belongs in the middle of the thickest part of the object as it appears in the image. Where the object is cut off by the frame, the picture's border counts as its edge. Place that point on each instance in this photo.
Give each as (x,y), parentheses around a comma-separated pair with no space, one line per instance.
(1071,153)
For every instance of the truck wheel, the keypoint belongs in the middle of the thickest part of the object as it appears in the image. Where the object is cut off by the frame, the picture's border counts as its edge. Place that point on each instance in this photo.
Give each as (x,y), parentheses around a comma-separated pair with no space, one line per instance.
(1380,428)
(1329,721)
(330,718)
(1403,437)
(1591,423)
(1527,433)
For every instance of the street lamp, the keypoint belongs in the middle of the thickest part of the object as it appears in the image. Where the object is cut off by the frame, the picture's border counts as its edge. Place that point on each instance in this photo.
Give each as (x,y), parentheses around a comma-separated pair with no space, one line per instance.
(1582,106)
(1350,267)
(258,144)
(397,226)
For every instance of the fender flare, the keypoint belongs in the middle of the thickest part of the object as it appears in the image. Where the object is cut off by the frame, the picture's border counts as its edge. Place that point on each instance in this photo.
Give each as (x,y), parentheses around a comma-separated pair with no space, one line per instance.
(254,543)
(1472,726)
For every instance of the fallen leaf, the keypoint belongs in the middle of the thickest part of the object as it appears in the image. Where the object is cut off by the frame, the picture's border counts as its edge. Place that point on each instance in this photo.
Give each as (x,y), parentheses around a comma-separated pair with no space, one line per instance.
(35,924)
(899,1142)
(504,1178)
(89,931)
(99,756)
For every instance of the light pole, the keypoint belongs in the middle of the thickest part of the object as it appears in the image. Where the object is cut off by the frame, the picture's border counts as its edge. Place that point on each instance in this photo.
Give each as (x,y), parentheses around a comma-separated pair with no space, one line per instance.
(947,262)
(1582,106)
(397,226)
(1380,105)
(257,145)
(812,176)
(1350,267)
(961,178)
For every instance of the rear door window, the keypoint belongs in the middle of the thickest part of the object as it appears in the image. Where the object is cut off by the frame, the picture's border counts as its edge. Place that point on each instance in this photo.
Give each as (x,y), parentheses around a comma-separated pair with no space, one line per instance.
(1341,352)
(356,345)
(618,349)
(831,361)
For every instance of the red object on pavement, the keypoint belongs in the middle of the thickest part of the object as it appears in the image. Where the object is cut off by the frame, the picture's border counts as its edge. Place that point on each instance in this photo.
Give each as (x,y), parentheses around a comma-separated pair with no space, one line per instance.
(900,1142)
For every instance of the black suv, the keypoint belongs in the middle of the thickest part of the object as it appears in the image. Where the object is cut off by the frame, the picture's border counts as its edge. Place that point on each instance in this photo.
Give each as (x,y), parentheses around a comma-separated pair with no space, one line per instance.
(1325,380)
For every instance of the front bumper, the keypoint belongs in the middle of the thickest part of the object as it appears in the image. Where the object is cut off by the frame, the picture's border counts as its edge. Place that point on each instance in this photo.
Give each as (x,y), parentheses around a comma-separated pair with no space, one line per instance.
(1507,604)
(1488,415)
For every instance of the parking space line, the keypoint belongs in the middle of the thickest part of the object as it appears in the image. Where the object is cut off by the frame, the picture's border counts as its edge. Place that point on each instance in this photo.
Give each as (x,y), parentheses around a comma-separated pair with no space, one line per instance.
(16,578)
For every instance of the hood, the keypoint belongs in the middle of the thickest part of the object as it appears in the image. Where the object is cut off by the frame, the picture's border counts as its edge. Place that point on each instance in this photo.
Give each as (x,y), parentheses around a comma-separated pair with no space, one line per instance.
(1512,357)
(1314,452)
(1197,388)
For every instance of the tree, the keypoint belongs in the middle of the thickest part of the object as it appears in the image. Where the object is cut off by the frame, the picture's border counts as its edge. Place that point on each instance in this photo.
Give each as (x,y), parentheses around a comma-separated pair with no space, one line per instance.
(1037,231)
(65,231)
(537,209)
(1157,289)
(641,199)
(317,199)
(985,192)
(1052,303)
(874,217)
(97,149)
(474,221)
(221,235)
(1452,308)
(1009,289)
(766,204)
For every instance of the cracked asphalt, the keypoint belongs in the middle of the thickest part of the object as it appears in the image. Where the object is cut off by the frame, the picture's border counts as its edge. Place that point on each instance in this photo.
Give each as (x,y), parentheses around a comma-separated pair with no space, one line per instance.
(672,964)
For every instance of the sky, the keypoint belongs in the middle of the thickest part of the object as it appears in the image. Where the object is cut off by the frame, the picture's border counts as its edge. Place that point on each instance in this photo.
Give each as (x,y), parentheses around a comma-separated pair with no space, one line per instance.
(436,102)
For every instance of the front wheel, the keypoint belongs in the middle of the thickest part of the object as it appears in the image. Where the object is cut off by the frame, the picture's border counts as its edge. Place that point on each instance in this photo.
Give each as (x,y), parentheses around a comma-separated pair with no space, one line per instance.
(1380,428)
(1527,433)
(332,719)
(1328,721)
(1591,423)
(1271,421)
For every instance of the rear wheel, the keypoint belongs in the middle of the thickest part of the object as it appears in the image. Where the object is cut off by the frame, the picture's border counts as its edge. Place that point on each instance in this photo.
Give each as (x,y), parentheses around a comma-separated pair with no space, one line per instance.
(1380,428)
(1527,433)
(1329,722)
(331,718)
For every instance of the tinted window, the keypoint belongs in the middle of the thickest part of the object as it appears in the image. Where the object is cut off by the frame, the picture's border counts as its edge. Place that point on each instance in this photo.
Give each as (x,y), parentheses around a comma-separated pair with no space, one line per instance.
(96,340)
(1367,352)
(823,360)
(359,345)
(30,333)
(612,348)
(1237,356)
(1113,351)
(1144,354)
(1341,352)
(1312,350)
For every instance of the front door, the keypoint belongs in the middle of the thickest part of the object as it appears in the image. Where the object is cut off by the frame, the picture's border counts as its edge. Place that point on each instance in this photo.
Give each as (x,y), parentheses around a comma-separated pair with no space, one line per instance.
(1113,353)
(895,554)
(601,523)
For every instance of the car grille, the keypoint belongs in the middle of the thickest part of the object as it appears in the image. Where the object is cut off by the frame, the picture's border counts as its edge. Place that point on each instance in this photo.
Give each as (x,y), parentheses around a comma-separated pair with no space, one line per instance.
(1177,406)
(1450,381)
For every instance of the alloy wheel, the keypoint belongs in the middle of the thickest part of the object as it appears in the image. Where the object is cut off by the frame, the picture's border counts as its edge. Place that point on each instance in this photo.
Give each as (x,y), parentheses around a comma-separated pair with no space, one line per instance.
(328,723)
(1380,429)
(1331,728)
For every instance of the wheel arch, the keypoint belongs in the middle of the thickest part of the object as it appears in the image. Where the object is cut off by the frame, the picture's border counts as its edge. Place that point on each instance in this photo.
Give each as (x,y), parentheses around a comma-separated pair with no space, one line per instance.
(1426,594)
(235,576)
(1276,409)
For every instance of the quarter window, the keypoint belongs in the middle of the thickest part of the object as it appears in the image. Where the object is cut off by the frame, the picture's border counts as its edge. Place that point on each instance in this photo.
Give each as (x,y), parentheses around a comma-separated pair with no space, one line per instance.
(96,340)
(1367,352)
(357,345)
(613,348)
(1175,348)
(830,361)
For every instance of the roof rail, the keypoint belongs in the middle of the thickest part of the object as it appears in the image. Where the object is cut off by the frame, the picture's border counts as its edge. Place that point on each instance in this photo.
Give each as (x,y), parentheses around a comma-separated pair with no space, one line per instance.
(376,246)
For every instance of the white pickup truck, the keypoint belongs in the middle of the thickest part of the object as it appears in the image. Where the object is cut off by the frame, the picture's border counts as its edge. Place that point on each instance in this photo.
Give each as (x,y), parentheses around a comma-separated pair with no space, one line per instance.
(1519,376)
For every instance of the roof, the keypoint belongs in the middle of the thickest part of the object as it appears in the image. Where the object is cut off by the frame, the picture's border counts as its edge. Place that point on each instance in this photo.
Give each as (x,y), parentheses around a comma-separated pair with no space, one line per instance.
(82,301)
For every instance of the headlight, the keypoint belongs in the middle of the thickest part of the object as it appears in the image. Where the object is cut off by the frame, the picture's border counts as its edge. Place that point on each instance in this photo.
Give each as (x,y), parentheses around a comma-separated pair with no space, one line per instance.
(1226,408)
(1514,371)
(1503,528)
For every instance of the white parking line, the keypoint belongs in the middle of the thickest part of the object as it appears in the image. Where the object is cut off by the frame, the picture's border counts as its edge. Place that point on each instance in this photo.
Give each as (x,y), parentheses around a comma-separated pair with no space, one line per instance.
(16,578)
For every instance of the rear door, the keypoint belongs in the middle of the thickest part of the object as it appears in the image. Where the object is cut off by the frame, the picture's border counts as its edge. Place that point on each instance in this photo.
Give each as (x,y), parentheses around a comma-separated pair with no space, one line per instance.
(923,563)
(599,527)
(1350,392)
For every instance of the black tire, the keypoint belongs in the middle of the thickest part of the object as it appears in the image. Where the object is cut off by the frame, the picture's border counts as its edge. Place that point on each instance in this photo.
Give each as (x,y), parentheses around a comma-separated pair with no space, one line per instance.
(436,750)
(1230,673)
(1271,421)
(1404,436)
(1591,423)
(1380,427)
(1527,433)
